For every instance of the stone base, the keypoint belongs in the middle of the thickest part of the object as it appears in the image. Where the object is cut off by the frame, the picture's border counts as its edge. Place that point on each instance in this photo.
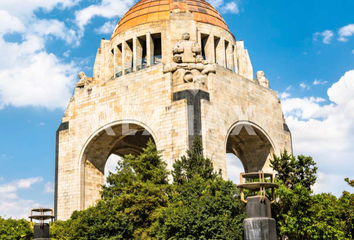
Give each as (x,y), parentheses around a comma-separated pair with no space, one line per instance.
(261,228)
(257,209)
(41,233)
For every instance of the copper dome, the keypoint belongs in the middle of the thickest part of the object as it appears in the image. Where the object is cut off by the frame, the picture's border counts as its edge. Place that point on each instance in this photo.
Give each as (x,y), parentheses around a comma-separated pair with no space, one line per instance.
(159,10)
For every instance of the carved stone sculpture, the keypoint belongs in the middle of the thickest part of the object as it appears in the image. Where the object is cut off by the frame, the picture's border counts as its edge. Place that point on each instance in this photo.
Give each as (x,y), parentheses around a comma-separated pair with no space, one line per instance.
(188,65)
(263,81)
(185,51)
(84,80)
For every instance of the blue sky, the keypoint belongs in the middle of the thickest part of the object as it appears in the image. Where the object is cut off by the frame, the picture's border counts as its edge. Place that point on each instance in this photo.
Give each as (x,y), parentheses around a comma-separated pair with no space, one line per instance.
(306,49)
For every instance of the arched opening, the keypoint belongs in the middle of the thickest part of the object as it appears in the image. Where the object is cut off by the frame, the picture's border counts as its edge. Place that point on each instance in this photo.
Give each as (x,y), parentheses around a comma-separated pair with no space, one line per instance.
(251,145)
(111,142)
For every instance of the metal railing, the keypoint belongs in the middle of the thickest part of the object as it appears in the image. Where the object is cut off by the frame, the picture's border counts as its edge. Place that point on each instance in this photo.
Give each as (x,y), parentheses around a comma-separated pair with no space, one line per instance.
(141,64)
(156,60)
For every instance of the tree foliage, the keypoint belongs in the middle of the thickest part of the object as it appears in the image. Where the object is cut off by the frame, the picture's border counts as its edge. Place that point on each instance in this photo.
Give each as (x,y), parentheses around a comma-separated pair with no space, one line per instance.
(347,213)
(299,213)
(291,170)
(203,205)
(138,202)
(11,229)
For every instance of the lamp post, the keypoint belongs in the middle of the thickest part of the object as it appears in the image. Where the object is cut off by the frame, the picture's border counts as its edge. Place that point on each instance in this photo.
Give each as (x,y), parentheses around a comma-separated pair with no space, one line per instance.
(259,224)
(40,228)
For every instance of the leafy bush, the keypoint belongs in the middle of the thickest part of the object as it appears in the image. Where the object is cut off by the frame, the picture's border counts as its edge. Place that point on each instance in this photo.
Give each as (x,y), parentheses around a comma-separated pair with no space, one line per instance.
(15,229)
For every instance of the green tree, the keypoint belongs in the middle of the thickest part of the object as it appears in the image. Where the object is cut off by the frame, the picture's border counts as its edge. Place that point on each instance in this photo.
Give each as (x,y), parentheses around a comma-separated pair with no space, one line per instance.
(62,230)
(291,170)
(299,213)
(103,221)
(193,164)
(202,204)
(12,229)
(129,204)
(347,213)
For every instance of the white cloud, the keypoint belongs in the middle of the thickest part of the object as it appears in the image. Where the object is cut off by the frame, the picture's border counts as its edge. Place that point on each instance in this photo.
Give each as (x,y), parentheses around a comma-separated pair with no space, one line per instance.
(353,51)
(29,76)
(304,108)
(25,9)
(342,91)
(326,131)
(289,88)
(327,36)
(106,9)
(9,24)
(27,183)
(320,81)
(284,95)
(53,27)
(13,206)
(345,32)
(67,53)
(107,28)
(49,187)
(230,7)
(304,86)
(330,182)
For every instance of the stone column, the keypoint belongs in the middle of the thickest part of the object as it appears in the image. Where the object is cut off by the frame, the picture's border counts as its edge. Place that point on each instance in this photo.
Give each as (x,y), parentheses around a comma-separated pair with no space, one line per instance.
(223,51)
(114,61)
(199,38)
(152,50)
(134,53)
(212,42)
(148,48)
(123,57)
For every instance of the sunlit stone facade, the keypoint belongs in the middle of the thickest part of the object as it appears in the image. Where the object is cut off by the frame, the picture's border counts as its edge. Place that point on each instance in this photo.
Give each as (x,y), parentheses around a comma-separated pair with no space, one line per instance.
(148,82)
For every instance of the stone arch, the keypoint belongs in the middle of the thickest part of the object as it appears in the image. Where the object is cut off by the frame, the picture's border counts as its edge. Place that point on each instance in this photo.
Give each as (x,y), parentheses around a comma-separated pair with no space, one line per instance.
(251,144)
(120,138)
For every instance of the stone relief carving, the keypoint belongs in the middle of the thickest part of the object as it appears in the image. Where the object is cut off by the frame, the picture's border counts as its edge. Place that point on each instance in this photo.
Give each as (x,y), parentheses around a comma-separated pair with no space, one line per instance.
(84,80)
(188,65)
(263,81)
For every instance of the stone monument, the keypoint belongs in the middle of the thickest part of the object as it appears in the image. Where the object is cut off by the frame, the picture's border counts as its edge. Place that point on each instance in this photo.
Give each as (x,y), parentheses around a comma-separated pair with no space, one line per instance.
(171,71)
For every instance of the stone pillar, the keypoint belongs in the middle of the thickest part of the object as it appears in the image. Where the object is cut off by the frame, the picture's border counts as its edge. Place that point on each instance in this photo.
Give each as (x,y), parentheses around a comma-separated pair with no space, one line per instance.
(235,59)
(219,49)
(229,56)
(212,43)
(152,51)
(123,57)
(114,61)
(118,59)
(134,53)
(224,52)
(41,231)
(148,48)
(199,38)
(209,50)
(259,224)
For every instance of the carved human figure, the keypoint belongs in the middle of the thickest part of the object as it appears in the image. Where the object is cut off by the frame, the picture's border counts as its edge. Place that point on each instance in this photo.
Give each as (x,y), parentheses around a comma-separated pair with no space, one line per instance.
(263,81)
(188,65)
(84,80)
(185,50)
